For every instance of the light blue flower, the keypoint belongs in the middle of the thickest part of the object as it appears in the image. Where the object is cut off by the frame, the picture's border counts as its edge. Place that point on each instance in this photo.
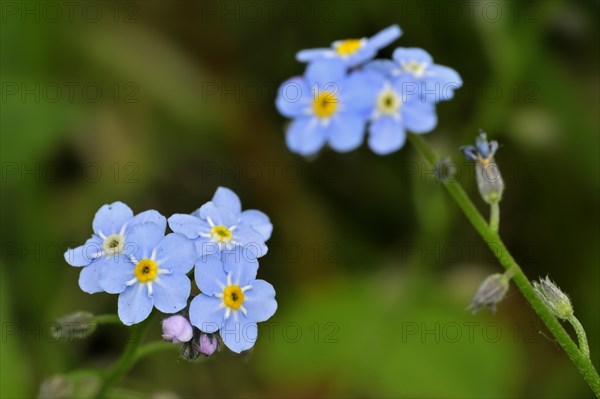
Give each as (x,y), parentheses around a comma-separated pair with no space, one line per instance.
(232,300)
(111,227)
(396,109)
(483,151)
(153,274)
(436,82)
(327,106)
(352,52)
(221,225)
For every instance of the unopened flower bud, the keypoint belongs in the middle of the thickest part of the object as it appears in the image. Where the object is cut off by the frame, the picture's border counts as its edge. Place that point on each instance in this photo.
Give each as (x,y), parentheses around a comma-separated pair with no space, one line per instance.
(73,326)
(177,329)
(490,292)
(556,300)
(207,344)
(56,387)
(487,172)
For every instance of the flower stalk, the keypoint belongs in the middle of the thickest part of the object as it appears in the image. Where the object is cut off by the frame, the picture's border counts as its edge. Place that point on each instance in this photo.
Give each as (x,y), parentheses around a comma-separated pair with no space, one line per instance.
(456,191)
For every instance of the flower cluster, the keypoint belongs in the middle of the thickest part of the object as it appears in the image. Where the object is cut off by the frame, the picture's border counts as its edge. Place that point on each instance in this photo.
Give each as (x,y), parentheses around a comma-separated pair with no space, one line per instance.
(345,92)
(134,257)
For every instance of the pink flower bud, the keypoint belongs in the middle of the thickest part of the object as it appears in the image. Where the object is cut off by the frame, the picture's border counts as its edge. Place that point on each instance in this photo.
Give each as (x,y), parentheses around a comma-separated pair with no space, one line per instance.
(177,329)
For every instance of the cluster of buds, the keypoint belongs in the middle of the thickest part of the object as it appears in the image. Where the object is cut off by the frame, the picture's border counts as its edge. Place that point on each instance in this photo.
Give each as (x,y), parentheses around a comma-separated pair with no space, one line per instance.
(179,330)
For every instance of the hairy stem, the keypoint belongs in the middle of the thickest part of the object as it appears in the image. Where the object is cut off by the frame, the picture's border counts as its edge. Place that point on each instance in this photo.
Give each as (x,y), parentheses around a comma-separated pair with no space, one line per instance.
(581,337)
(582,362)
(495,216)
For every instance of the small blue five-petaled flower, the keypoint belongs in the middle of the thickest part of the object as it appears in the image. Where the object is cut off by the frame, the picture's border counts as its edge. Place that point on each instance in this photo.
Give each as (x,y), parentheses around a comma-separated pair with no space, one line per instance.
(151,274)
(327,105)
(483,151)
(221,225)
(352,52)
(112,225)
(232,299)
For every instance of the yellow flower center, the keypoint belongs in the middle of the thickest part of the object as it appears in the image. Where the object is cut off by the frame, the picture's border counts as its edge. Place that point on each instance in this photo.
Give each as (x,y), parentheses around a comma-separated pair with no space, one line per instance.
(233,297)
(221,233)
(146,270)
(325,104)
(113,244)
(416,68)
(347,47)
(388,102)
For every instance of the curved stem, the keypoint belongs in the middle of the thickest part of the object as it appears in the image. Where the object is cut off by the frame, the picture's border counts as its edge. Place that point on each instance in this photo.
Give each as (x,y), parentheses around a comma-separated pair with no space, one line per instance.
(581,337)
(583,363)
(110,318)
(127,359)
(495,216)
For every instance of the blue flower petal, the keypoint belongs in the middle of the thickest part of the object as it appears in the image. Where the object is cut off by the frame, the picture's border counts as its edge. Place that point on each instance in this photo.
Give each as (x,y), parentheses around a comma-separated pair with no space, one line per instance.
(210,275)
(258,221)
(293,97)
(115,272)
(403,55)
(149,216)
(188,225)
(305,136)
(346,132)
(383,67)
(218,216)
(386,135)
(419,116)
(239,336)
(176,253)
(227,199)
(206,313)
(171,292)
(142,239)
(314,54)
(361,90)
(110,218)
(134,304)
(385,37)
(251,241)
(243,268)
(259,301)
(206,246)
(86,253)
(89,276)
(326,73)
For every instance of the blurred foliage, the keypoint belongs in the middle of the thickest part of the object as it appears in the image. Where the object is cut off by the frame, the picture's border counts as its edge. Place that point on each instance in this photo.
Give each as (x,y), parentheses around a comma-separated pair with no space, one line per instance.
(364,246)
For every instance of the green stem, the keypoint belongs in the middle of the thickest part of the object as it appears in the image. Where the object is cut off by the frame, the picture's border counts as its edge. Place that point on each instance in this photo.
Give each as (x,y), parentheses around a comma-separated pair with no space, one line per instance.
(580,331)
(495,216)
(127,359)
(583,363)
(107,319)
(154,347)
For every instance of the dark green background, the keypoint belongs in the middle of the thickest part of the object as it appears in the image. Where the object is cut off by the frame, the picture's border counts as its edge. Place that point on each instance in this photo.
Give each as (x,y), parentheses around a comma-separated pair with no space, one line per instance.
(372,261)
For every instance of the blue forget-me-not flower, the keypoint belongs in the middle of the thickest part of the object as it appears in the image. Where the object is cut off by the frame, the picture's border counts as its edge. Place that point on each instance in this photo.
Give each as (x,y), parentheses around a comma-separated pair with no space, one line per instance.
(221,225)
(232,299)
(112,225)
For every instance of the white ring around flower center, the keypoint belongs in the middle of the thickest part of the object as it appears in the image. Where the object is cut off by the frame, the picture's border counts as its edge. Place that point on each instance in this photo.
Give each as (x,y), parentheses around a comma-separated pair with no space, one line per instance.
(114,244)
(388,102)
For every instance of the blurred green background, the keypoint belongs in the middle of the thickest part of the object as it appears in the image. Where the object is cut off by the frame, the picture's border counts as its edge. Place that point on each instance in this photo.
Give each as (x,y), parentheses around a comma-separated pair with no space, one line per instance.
(157,103)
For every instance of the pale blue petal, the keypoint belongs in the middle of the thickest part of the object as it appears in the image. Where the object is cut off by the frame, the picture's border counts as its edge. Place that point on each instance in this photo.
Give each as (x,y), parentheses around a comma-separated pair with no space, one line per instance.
(403,55)
(89,277)
(346,132)
(110,218)
(134,304)
(305,136)
(206,313)
(325,72)
(115,272)
(206,246)
(86,253)
(142,239)
(258,221)
(259,301)
(149,216)
(419,116)
(383,67)
(442,80)
(171,292)
(252,242)
(385,37)
(176,253)
(361,90)
(242,268)
(188,225)
(386,135)
(239,336)
(227,199)
(210,274)
(314,54)
(218,216)
(293,97)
